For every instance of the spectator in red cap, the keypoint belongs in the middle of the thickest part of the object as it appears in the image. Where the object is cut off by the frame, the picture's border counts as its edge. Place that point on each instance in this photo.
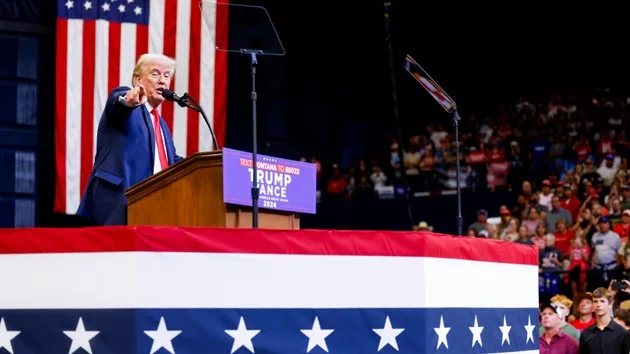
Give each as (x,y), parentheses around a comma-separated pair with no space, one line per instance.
(506,217)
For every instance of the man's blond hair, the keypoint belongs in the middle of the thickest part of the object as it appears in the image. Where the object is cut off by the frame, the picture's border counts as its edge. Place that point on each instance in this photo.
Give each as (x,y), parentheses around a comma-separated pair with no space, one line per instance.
(149,58)
(563,300)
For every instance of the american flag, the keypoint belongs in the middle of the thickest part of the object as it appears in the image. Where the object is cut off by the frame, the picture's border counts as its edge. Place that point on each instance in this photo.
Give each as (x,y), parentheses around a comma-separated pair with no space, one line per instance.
(98,44)
(190,290)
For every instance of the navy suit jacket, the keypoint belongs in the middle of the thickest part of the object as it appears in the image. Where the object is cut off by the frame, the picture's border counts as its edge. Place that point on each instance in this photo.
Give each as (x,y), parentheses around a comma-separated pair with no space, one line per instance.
(125,153)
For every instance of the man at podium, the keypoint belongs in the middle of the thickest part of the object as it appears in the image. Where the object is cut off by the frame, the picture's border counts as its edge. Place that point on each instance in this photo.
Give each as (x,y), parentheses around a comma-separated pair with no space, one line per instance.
(133,141)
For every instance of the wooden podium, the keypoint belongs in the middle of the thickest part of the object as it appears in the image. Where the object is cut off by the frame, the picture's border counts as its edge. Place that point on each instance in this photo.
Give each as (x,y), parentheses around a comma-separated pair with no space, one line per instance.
(190,193)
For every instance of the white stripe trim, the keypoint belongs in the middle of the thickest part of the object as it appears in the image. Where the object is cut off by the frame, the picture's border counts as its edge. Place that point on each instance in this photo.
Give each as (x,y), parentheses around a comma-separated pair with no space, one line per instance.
(207,71)
(156,30)
(206,280)
(73,115)
(100,78)
(127,53)
(182,54)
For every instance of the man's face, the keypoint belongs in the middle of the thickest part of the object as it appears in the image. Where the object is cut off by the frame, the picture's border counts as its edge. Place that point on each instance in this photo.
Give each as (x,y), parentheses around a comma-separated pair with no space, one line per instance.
(602,306)
(155,78)
(568,193)
(555,203)
(549,319)
(586,306)
(604,227)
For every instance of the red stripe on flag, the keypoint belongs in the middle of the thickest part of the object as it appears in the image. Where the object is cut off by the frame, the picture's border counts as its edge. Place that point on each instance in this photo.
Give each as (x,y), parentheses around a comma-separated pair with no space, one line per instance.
(113,62)
(61,73)
(170,40)
(87,99)
(192,144)
(220,76)
(142,40)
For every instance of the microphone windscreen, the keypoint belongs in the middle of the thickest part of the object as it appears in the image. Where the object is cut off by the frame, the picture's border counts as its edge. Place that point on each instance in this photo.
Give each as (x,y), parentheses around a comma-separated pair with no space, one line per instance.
(168,94)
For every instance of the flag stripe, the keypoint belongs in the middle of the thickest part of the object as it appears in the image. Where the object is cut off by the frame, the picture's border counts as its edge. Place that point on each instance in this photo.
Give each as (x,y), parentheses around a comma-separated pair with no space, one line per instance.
(170,42)
(193,76)
(105,44)
(156,30)
(113,68)
(127,53)
(73,106)
(61,73)
(156,27)
(142,40)
(207,82)
(87,89)
(100,77)
(180,85)
(220,75)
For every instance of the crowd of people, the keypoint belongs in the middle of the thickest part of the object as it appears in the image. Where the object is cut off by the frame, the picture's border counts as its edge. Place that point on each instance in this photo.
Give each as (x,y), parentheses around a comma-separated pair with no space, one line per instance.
(567,160)
(523,140)
(593,323)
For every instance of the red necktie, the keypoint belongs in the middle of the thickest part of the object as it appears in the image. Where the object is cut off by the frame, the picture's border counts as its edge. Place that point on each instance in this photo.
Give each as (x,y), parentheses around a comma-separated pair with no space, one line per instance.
(158,139)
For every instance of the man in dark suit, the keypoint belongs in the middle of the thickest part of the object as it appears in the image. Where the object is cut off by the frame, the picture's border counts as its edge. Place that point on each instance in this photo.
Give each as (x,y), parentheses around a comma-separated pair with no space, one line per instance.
(133,142)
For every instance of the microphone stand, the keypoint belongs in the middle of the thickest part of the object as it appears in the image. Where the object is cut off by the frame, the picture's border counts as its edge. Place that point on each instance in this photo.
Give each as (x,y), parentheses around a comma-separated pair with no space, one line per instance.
(254,98)
(198,108)
(456,120)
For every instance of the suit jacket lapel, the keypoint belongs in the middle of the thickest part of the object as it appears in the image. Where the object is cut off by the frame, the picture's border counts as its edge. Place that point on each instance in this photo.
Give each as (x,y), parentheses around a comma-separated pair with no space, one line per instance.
(149,122)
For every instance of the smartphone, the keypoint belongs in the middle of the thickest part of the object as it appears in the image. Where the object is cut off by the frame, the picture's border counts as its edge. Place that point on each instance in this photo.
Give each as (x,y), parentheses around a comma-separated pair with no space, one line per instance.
(619,285)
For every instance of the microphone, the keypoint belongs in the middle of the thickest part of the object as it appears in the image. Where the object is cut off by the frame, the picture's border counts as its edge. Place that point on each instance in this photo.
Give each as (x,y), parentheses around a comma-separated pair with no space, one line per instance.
(183,102)
(172,96)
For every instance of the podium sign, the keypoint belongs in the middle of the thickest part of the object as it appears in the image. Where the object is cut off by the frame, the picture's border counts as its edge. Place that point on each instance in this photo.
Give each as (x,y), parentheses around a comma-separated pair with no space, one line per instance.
(284,184)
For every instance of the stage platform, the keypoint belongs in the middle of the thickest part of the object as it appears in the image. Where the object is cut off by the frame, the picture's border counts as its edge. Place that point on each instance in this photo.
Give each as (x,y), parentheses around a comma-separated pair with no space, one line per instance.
(199,290)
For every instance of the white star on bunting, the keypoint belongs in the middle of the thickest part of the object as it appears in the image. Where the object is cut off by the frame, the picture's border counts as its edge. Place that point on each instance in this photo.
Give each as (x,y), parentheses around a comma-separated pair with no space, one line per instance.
(388,335)
(6,336)
(105,7)
(69,4)
(121,8)
(242,336)
(87,5)
(162,337)
(476,331)
(505,332)
(81,338)
(442,332)
(138,10)
(317,336)
(530,330)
